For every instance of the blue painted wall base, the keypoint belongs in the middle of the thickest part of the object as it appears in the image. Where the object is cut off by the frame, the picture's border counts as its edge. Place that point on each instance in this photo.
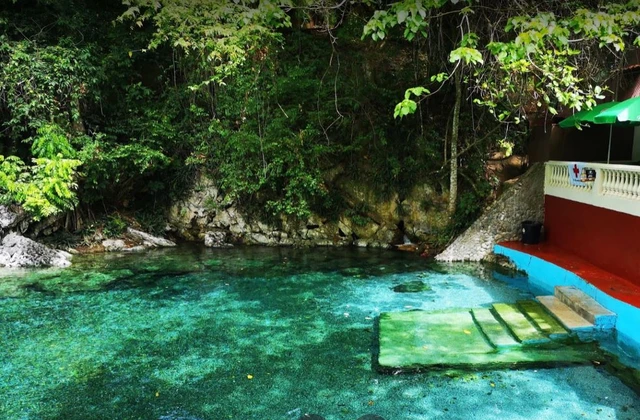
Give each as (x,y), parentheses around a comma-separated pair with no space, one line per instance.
(545,276)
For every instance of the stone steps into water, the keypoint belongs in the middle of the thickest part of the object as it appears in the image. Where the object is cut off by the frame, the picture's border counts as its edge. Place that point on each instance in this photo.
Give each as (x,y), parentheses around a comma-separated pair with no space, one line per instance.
(567,317)
(542,319)
(518,324)
(586,307)
(473,338)
(496,333)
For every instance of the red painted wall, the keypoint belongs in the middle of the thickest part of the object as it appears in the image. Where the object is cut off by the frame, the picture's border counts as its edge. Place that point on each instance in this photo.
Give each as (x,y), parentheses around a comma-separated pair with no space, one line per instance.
(606,238)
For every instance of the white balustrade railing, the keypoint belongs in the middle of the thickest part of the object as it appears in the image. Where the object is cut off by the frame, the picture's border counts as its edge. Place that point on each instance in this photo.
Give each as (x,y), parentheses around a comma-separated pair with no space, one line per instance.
(615,187)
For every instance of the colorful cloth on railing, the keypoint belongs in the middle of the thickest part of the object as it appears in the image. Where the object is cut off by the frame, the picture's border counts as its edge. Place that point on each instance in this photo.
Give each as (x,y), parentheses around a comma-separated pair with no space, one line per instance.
(580,174)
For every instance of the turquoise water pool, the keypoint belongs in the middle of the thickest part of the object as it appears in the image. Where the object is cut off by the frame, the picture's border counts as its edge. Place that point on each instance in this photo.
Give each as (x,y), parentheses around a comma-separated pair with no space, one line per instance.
(256,333)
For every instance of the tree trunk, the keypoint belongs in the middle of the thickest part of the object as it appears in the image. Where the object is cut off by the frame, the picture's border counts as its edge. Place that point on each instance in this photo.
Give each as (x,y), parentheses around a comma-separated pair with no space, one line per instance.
(455,129)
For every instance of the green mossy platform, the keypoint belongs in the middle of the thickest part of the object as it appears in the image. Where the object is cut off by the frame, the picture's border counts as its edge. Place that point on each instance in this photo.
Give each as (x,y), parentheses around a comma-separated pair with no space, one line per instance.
(543,319)
(496,332)
(519,325)
(478,338)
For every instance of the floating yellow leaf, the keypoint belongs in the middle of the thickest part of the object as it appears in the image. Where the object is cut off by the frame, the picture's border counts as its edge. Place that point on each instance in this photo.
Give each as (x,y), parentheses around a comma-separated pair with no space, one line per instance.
(157,394)
(466,331)
(249,376)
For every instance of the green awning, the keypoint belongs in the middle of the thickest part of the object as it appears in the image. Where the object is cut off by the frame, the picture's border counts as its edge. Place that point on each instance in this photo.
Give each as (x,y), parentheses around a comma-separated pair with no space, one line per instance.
(623,113)
(587,115)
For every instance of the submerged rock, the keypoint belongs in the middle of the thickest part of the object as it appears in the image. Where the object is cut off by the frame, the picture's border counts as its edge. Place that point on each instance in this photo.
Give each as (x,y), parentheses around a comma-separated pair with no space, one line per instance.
(411,287)
(18,251)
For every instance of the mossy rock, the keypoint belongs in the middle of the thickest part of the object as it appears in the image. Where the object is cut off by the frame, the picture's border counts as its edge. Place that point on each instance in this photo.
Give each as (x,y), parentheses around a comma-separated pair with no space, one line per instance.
(411,287)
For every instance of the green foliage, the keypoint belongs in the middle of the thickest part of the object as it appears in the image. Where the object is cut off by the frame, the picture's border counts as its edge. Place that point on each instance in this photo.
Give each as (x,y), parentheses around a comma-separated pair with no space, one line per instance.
(152,220)
(538,57)
(41,84)
(114,169)
(43,189)
(114,226)
(223,34)
(47,186)
(280,103)
(466,54)
(51,142)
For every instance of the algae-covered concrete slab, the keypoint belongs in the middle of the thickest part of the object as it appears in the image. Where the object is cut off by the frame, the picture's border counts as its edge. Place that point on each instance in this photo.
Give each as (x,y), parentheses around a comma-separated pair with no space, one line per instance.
(519,325)
(493,329)
(429,338)
(418,339)
(543,319)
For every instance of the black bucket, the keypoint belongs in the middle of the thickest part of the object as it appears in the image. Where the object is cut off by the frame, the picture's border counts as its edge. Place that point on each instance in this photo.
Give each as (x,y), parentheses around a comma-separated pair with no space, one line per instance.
(531,232)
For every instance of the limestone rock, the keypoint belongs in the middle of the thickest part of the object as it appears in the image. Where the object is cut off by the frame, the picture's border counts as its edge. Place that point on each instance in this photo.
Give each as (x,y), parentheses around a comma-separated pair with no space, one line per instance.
(502,221)
(136,248)
(190,217)
(371,219)
(47,226)
(10,217)
(216,239)
(150,240)
(113,245)
(18,251)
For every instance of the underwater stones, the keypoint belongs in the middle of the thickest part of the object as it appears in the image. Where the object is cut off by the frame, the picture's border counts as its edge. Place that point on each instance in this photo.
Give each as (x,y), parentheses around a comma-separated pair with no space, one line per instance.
(411,287)
(18,251)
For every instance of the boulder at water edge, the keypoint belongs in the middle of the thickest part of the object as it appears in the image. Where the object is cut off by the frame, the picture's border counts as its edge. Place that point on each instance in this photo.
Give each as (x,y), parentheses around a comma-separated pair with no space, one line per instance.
(18,251)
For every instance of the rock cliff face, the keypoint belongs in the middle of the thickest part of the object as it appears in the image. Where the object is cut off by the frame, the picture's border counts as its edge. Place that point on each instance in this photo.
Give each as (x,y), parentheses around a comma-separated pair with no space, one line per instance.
(502,221)
(372,221)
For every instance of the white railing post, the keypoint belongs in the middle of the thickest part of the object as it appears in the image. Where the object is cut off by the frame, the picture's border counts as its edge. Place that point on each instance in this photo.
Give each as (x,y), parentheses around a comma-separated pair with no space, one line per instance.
(598,184)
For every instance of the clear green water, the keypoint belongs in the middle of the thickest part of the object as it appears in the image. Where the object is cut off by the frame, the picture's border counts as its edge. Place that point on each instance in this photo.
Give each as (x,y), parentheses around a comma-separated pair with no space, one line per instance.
(258,333)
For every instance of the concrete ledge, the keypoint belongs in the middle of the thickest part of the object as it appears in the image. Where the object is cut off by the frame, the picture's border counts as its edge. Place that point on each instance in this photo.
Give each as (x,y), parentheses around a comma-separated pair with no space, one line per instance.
(586,307)
(547,276)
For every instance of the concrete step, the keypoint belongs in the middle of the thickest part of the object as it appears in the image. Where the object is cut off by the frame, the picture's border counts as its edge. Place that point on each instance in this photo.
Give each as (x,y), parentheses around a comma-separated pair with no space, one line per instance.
(567,317)
(586,307)
(542,319)
(518,324)
(493,329)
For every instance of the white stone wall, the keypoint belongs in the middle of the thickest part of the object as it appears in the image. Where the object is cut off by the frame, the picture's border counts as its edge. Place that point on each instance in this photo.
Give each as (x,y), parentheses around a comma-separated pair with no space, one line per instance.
(502,221)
